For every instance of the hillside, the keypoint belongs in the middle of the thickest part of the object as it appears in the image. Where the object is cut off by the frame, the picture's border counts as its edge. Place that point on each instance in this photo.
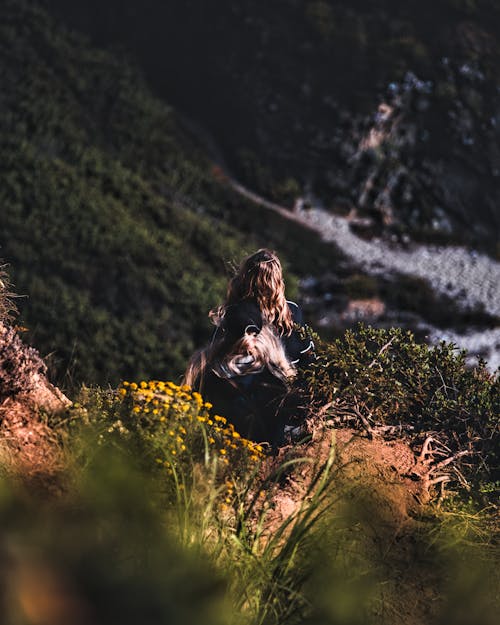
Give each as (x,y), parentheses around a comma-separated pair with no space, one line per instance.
(387,107)
(140,504)
(119,229)
(111,219)
(125,499)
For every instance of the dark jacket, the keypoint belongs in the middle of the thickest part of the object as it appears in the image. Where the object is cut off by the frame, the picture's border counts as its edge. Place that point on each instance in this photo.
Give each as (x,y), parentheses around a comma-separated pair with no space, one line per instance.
(250,402)
(245,315)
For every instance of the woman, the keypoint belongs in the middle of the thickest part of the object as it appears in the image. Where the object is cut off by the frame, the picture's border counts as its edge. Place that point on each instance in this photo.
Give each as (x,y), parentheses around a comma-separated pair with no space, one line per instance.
(255,296)
(246,378)
(259,341)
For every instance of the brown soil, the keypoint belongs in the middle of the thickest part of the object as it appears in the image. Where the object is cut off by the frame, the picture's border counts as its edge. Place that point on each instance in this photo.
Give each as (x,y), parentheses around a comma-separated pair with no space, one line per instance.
(29,448)
(391,466)
(382,492)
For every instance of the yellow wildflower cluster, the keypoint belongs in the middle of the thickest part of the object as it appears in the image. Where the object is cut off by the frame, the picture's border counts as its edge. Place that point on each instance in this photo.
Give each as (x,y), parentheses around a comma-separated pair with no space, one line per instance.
(185,422)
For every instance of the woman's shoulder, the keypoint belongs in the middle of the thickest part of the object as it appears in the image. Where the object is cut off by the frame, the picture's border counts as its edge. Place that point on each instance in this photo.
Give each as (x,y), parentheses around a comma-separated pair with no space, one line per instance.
(296,311)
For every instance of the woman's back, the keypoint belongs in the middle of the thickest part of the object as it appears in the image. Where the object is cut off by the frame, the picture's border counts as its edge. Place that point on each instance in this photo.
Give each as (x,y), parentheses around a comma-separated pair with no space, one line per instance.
(245,314)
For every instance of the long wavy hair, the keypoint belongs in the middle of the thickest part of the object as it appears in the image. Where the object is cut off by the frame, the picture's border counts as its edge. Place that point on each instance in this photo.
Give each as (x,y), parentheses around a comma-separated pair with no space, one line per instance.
(252,353)
(259,277)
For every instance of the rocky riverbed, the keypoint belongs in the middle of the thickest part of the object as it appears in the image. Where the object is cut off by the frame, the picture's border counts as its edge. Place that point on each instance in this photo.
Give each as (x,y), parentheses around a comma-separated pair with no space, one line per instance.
(470,279)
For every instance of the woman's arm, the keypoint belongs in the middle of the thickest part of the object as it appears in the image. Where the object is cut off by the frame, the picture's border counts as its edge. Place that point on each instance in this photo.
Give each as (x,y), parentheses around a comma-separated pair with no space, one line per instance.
(299,345)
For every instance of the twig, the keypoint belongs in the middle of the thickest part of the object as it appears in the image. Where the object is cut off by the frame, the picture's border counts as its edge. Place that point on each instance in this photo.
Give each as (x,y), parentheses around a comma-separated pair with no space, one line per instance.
(382,350)
(364,421)
(425,448)
(449,460)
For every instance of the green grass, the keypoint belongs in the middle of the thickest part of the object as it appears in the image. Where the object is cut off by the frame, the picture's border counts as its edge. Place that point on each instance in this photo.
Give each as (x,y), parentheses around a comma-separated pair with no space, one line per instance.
(145,534)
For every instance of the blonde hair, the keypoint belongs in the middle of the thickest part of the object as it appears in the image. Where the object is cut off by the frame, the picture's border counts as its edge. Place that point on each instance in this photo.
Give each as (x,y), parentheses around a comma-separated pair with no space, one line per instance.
(252,353)
(260,277)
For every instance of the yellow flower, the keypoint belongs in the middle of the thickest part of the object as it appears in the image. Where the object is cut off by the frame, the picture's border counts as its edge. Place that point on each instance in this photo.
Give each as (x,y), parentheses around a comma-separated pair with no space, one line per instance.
(133,386)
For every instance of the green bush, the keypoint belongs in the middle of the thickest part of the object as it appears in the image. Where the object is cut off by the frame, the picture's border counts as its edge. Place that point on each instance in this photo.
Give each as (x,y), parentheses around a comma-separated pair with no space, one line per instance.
(384,377)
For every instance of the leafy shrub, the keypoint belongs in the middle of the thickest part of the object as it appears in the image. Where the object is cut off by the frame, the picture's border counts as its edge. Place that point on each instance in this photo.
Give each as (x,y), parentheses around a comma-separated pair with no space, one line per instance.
(383,377)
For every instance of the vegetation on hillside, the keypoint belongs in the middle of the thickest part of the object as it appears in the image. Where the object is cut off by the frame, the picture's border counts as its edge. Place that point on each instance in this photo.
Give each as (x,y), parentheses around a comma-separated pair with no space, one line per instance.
(160,511)
(187,512)
(112,221)
(373,377)
(201,525)
(291,90)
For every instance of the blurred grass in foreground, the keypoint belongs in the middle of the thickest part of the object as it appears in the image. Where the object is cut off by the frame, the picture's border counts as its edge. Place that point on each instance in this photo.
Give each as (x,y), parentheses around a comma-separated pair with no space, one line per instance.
(192,541)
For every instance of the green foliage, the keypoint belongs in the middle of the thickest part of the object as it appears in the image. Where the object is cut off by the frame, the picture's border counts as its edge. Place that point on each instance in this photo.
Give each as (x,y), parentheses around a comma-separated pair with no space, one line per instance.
(391,379)
(119,270)
(213,486)
(334,559)
(101,554)
(112,220)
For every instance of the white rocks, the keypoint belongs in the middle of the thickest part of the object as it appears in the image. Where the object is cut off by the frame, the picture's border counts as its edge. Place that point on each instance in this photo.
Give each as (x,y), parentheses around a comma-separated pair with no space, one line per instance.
(473,280)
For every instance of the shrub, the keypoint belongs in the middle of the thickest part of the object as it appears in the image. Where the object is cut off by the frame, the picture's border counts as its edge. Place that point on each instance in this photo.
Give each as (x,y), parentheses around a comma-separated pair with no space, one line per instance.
(384,377)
